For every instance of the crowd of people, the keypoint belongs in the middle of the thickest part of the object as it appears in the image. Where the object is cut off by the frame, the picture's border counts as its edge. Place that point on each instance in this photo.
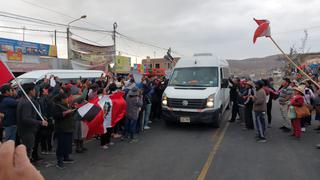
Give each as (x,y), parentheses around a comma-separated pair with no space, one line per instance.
(51,124)
(299,105)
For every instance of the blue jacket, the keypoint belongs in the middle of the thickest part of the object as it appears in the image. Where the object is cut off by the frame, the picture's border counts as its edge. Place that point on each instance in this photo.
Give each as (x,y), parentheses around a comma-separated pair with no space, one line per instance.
(9,108)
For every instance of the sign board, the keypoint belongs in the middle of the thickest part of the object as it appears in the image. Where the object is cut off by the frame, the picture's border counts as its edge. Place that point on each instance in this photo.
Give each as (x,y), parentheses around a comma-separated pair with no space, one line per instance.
(27,48)
(14,56)
(123,64)
(88,52)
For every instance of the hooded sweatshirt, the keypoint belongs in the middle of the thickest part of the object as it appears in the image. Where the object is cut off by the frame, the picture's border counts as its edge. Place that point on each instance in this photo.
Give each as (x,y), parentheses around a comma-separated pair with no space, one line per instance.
(260,104)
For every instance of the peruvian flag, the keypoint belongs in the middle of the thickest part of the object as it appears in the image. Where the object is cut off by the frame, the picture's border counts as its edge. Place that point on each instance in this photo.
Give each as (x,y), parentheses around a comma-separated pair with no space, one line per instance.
(101,113)
(6,74)
(115,109)
(92,117)
(262,30)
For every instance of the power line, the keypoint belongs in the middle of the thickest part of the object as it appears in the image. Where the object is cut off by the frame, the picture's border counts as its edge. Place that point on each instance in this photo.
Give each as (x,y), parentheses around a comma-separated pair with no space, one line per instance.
(45,22)
(21,33)
(95,43)
(140,42)
(27,29)
(57,12)
(144,43)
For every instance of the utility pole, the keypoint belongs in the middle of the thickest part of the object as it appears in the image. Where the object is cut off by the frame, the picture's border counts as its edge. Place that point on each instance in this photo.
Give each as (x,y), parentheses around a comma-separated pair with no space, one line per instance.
(55,38)
(68,42)
(24,28)
(115,25)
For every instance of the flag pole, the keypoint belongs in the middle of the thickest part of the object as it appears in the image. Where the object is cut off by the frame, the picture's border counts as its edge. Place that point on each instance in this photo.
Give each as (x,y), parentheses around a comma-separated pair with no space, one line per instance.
(292,62)
(24,93)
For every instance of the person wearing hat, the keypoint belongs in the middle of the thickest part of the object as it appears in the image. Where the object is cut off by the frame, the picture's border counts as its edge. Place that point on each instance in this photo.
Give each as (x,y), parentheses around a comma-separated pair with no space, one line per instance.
(260,108)
(134,104)
(27,119)
(248,104)
(286,93)
(297,101)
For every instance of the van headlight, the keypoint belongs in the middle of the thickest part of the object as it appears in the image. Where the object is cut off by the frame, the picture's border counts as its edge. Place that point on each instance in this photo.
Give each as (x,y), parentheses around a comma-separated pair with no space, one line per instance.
(210,101)
(164,100)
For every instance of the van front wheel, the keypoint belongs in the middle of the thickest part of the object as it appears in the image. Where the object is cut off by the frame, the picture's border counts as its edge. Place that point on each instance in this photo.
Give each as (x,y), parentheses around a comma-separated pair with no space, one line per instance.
(216,123)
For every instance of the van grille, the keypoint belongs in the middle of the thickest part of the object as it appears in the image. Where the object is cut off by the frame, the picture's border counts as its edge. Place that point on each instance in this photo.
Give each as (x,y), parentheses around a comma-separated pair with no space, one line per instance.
(192,103)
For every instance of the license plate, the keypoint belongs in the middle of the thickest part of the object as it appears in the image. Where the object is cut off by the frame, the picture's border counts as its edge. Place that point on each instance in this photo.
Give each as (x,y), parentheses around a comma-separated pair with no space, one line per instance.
(185,119)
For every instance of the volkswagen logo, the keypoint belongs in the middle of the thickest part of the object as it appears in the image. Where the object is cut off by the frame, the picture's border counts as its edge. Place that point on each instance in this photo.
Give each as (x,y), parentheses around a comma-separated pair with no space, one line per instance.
(185,103)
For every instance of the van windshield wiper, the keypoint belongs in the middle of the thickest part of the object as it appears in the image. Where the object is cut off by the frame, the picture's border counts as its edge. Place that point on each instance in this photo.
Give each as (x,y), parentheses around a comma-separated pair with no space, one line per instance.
(179,85)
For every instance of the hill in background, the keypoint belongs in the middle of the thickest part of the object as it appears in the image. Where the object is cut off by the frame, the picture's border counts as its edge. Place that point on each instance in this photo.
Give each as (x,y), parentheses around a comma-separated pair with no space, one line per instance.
(260,67)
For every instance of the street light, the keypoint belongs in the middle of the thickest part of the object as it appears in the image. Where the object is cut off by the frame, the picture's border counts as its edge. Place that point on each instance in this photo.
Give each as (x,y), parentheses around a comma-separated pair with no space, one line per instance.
(68,31)
(82,17)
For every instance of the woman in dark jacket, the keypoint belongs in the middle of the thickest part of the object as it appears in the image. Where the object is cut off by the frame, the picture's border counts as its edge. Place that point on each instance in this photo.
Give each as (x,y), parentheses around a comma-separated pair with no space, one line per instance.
(64,127)
(248,103)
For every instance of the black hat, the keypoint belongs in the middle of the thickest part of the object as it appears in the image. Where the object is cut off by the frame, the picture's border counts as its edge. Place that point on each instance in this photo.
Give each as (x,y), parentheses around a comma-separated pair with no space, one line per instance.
(112,87)
(5,88)
(287,79)
(28,87)
(259,83)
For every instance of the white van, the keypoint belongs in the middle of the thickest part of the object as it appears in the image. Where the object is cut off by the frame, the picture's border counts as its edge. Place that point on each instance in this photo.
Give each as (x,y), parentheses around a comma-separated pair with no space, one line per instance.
(63,75)
(197,91)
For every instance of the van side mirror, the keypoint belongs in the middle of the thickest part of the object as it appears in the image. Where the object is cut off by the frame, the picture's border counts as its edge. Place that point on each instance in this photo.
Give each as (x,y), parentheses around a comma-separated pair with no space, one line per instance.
(225,83)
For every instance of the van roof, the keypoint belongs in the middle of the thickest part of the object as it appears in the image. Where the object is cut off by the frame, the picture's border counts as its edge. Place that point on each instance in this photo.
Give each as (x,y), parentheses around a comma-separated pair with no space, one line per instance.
(201,61)
(61,73)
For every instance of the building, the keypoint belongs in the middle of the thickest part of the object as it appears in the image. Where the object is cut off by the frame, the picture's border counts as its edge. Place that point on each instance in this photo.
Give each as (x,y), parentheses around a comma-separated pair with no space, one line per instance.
(159,63)
(310,58)
(23,56)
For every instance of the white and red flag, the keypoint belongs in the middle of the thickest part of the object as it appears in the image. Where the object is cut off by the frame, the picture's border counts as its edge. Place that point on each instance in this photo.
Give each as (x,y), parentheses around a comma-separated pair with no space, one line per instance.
(115,109)
(6,74)
(101,113)
(262,30)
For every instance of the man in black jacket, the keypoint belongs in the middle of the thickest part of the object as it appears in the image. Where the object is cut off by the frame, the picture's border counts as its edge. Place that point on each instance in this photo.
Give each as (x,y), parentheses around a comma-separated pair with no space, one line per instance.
(234,97)
(27,119)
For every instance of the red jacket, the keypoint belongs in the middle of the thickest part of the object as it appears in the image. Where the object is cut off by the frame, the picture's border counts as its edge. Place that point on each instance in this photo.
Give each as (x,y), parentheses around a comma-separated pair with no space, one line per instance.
(297,100)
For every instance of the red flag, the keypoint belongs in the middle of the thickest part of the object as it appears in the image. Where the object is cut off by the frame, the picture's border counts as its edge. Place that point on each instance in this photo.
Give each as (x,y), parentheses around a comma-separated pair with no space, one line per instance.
(262,30)
(95,127)
(92,116)
(6,74)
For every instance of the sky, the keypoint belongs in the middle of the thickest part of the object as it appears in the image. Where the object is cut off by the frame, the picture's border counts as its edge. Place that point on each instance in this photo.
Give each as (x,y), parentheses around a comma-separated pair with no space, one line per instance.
(223,28)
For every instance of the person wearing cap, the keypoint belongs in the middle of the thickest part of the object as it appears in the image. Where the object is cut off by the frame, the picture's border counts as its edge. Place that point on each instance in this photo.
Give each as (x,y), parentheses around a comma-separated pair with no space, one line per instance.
(297,101)
(286,93)
(134,104)
(260,108)
(9,108)
(248,104)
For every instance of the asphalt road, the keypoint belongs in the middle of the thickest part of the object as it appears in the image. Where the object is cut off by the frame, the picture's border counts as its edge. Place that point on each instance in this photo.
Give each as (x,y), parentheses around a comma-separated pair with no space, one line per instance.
(196,152)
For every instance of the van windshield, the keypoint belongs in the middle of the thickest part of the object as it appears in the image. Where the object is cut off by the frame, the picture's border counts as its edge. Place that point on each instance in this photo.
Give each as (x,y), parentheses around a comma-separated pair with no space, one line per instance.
(26,80)
(195,76)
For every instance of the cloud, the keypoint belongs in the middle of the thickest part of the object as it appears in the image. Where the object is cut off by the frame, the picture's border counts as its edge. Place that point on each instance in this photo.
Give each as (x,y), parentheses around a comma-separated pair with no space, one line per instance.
(224,28)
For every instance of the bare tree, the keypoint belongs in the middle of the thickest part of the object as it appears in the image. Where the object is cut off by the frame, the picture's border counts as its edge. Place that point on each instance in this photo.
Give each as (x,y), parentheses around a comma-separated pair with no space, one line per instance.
(296,54)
